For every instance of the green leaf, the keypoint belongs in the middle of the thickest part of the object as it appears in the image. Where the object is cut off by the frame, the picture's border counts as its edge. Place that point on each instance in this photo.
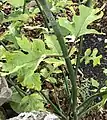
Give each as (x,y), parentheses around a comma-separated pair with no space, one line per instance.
(73,50)
(53,44)
(19,17)
(104,97)
(54,61)
(1,51)
(16,97)
(15,101)
(96,60)
(11,33)
(1,17)
(105,71)
(87,60)
(73,61)
(103,89)
(32,82)
(94,83)
(16,3)
(2,36)
(94,90)
(15,106)
(88,52)
(61,3)
(32,102)
(106,82)
(24,43)
(57,71)
(63,22)
(25,64)
(51,80)
(44,72)
(88,57)
(104,100)
(95,51)
(80,22)
(17,59)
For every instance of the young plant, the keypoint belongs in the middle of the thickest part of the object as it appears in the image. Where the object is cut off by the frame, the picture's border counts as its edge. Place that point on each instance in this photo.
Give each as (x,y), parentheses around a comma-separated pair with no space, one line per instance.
(91,56)
(77,28)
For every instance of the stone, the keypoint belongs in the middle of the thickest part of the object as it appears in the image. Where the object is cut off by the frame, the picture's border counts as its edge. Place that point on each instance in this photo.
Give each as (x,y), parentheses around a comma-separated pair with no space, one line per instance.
(5,91)
(36,115)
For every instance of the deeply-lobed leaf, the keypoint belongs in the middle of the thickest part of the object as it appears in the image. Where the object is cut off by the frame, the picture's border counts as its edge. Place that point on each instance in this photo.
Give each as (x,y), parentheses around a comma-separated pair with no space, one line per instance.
(25,64)
(80,22)
(32,102)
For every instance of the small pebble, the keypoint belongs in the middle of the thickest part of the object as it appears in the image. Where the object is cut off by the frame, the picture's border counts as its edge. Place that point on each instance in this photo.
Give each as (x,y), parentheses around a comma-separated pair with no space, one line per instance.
(99,39)
(105,40)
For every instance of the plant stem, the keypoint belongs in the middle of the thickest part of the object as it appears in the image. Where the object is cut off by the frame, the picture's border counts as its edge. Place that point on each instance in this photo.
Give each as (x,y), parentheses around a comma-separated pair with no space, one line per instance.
(68,92)
(64,51)
(86,111)
(20,91)
(66,83)
(57,99)
(55,108)
(24,6)
(91,98)
(78,56)
(70,49)
(43,15)
(4,45)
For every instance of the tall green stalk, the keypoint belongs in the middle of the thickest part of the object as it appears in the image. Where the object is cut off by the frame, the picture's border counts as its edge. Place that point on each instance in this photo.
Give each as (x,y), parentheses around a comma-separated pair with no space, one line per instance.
(24,6)
(65,53)
(78,56)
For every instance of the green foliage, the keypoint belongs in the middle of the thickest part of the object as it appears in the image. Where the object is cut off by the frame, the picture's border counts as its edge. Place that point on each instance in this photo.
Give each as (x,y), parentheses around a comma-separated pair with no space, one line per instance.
(32,102)
(26,103)
(26,64)
(1,52)
(94,83)
(53,44)
(1,17)
(16,3)
(33,82)
(51,69)
(17,16)
(57,5)
(54,61)
(92,55)
(33,61)
(104,97)
(105,71)
(80,22)
(15,101)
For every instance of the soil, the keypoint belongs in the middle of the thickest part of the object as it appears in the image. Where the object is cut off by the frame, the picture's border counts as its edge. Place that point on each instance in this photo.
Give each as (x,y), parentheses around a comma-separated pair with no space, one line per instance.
(97,41)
